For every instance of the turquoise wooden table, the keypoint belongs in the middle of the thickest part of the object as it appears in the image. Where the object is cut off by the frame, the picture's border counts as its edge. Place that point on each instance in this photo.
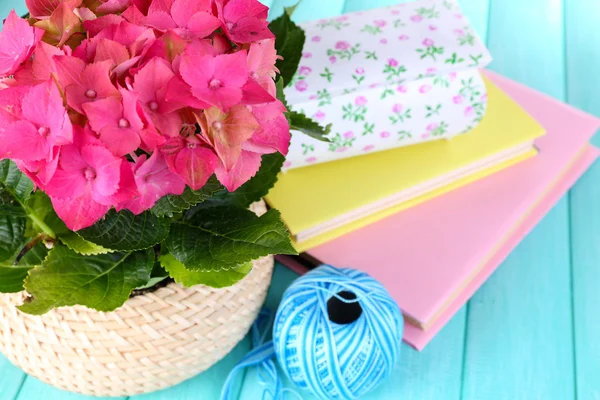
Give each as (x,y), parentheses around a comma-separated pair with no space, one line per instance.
(533,330)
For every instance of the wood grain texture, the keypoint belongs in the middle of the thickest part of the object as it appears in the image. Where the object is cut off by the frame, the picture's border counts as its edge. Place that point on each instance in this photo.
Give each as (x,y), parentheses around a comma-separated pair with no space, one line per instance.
(519,333)
(526,41)
(583,63)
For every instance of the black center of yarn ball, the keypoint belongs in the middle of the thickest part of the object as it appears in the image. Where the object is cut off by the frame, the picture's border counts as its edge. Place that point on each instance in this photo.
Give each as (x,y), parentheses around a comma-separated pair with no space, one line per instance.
(341,312)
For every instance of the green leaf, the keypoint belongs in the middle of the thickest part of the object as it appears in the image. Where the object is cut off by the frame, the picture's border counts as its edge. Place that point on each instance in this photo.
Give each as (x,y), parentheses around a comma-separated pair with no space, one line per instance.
(169,205)
(215,279)
(102,282)
(14,181)
(223,238)
(12,230)
(12,277)
(125,231)
(302,123)
(158,275)
(289,41)
(41,205)
(257,187)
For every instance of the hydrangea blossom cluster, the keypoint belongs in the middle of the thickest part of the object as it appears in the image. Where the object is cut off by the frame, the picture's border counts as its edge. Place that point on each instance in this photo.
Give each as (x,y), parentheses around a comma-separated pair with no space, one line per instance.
(117,103)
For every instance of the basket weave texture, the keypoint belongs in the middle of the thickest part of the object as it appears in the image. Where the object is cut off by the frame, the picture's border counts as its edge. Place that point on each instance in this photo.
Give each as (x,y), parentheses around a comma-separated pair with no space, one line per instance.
(154,341)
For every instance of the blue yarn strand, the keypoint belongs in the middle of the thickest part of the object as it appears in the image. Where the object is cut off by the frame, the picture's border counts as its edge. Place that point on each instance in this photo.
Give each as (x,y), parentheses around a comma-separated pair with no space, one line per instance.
(331,360)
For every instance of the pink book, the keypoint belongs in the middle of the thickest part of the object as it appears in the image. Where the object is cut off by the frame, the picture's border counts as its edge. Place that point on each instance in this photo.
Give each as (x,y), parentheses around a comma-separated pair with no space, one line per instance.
(433,257)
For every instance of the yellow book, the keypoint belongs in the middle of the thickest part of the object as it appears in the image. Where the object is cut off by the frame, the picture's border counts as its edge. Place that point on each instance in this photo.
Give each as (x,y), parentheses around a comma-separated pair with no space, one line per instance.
(325,201)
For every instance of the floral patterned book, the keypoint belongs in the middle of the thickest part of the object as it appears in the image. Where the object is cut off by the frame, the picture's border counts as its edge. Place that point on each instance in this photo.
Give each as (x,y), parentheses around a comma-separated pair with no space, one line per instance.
(387,78)
(328,200)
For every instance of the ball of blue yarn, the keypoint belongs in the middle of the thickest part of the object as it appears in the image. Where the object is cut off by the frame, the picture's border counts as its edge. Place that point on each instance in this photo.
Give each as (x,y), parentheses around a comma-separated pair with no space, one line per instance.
(344,359)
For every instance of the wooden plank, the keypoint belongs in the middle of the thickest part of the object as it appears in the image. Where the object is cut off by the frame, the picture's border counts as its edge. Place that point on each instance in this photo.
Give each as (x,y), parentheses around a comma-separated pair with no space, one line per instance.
(11,379)
(519,336)
(36,389)
(583,63)
(585,236)
(519,333)
(308,10)
(526,41)
(208,384)
(432,374)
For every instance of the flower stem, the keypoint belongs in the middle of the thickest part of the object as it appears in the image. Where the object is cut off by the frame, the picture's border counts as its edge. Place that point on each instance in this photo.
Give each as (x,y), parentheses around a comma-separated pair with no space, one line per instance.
(41,224)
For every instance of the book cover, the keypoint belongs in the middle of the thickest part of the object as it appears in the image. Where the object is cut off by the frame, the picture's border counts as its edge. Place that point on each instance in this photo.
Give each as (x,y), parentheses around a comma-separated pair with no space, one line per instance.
(325,201)
(433,257)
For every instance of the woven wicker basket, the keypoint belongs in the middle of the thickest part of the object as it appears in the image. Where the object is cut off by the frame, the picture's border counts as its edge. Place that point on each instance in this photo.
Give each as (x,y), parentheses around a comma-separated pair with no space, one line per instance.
(154,341)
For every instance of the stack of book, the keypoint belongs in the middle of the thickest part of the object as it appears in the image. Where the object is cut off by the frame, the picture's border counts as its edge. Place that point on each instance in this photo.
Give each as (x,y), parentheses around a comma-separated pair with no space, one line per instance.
(430,220)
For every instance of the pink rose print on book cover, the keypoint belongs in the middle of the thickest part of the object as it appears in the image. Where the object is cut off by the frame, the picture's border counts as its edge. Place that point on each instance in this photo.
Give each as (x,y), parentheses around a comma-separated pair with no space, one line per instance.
(388,73)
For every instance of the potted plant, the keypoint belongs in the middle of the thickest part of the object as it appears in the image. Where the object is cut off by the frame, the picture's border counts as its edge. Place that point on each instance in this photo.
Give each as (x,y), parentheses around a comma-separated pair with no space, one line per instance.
(137,138)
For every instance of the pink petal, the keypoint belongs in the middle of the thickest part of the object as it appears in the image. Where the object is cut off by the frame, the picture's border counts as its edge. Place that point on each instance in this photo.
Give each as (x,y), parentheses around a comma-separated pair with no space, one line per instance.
(178,95)
(154,180)
(103,112)
(232,69)
(111,50)
(41,171)
(43,106)
(203,24)
(106,167)
(134,14)
(237,9)
(249,29)
(120,141)
(254,93)
(21,141)
(160,5)
(95,26)
(17,42)
(42,9)
(10,105)
(275,129)
(230,131)
(114,6)
(160,20)
(246,167)
(69,70)
(183,10)
(154,76)
(79,213)
(131,110)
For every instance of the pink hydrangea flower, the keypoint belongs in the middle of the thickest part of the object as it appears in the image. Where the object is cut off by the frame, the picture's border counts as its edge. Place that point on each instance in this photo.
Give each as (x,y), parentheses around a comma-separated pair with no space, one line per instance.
(361,101)
(17,42)
(245,21)
(342,45)
(216,80)
(32,122)
(104,112)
